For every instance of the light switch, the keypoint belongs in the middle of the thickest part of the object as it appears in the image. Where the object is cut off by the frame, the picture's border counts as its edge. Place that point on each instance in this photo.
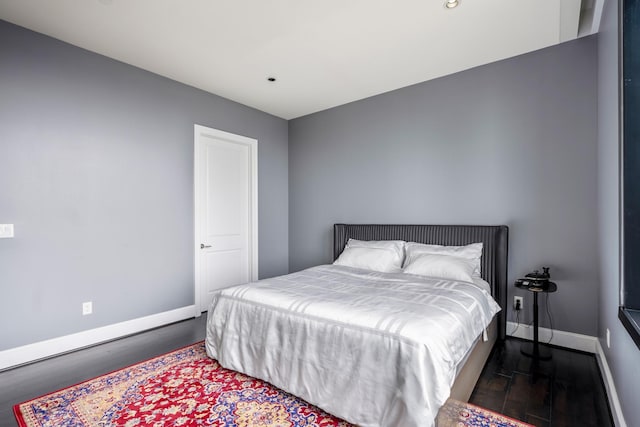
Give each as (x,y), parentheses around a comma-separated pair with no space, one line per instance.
(6,231)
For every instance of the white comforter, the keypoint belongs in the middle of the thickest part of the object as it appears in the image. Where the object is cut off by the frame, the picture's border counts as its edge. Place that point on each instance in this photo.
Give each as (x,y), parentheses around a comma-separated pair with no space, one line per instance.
(376,349)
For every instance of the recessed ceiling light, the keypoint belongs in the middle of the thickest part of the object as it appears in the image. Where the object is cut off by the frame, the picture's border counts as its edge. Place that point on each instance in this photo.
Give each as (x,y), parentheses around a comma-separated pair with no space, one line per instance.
(271,79)
(450,4)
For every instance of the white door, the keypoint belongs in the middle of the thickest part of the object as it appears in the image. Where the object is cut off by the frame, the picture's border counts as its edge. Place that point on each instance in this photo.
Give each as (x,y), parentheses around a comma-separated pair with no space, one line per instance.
(225,212)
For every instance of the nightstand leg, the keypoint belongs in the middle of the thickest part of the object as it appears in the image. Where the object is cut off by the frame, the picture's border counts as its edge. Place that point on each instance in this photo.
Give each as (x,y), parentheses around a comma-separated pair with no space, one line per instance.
(533,349)
(536,346)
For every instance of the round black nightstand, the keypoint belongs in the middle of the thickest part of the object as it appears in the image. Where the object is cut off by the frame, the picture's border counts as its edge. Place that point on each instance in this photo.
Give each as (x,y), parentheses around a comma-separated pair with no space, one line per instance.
(534,349)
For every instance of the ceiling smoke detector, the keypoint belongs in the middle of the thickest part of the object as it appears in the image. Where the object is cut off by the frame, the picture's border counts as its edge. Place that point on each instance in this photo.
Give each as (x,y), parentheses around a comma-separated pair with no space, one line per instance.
(450,4)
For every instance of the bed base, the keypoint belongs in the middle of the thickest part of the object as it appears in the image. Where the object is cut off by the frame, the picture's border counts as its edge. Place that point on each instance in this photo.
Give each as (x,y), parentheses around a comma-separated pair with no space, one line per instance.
(468,376)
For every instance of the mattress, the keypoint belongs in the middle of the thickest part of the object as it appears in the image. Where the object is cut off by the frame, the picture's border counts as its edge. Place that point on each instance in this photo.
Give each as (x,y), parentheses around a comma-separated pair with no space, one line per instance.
(376,349)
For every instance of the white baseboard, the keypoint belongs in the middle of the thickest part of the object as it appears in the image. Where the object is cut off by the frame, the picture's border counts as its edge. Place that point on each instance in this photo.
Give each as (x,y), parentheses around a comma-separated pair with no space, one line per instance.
(614,402)
(560,338)
(40,350)
(577,342)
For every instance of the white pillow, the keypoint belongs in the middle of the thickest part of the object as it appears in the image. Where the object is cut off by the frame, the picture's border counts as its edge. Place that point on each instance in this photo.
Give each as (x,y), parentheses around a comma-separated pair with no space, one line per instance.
(377,255)
(441,266)
(472,252)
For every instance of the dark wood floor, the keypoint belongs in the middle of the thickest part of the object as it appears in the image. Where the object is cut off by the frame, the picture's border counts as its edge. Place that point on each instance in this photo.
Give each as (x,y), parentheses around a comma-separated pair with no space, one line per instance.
(566,391)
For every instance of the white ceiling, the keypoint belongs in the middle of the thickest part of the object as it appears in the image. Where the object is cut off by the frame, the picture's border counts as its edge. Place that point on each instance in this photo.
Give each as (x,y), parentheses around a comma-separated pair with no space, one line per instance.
(323,53)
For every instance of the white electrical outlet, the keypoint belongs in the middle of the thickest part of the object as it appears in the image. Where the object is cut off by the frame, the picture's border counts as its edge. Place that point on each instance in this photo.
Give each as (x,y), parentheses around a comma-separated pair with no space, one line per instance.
(6,231)
(608,338)
(518,302)
(87,308)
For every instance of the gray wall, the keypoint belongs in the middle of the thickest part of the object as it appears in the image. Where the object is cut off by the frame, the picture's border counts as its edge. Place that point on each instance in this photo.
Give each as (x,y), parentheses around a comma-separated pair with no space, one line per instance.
(513,142)
(96,173)
(623,357)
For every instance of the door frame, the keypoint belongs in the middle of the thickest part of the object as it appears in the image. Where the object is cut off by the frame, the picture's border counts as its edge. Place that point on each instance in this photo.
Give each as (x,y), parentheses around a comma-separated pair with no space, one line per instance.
(201,132)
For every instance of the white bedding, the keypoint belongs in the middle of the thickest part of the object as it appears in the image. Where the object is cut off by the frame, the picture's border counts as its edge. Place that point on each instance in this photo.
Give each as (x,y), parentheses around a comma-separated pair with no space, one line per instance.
(376,349)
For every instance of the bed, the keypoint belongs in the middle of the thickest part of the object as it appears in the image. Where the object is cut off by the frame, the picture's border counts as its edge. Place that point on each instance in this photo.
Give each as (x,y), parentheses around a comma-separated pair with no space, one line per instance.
(320,333)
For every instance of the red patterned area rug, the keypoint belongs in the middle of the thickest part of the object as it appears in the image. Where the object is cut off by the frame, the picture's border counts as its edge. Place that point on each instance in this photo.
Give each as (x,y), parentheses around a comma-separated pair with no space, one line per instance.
(181,388)
(187,388)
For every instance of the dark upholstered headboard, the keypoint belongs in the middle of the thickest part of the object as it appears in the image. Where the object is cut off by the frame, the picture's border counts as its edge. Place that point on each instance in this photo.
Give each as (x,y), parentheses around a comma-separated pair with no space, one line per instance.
(495,239)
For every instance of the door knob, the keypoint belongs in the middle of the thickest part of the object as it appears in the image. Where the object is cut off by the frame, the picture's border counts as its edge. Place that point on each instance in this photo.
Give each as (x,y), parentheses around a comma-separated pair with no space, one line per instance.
(203,246)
